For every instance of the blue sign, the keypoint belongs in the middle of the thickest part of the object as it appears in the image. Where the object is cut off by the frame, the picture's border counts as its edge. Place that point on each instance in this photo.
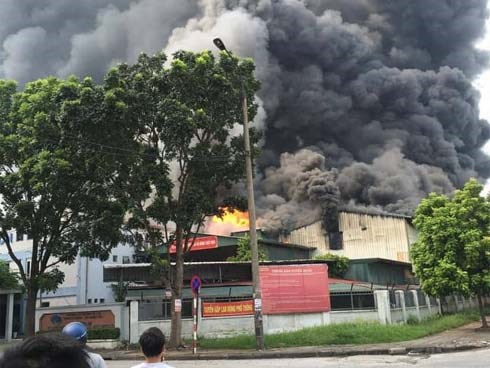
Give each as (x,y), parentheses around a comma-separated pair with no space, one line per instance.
(195,284)
(56,319)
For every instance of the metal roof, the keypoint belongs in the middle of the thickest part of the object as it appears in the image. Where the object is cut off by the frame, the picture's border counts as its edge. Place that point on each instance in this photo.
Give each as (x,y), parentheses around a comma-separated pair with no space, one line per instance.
(373,212)
(380,260)
(287,262)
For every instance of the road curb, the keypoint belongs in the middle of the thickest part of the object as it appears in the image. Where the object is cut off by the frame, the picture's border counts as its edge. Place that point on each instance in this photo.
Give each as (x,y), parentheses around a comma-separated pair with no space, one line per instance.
(320,353)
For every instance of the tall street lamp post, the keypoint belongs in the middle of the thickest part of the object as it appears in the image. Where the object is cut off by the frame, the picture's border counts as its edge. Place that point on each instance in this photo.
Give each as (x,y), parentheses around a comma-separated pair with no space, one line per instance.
(259,327)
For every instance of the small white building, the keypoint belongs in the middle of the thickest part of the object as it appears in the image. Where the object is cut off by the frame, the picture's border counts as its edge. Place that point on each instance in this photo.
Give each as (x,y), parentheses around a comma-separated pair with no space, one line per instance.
(83,282)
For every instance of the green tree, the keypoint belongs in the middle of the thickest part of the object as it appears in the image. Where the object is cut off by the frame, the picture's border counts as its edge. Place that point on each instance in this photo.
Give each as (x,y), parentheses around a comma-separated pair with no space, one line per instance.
(186,114)
(452,253)
(337,265)
(8,279)
(58,182)
(120,291)
(244,252)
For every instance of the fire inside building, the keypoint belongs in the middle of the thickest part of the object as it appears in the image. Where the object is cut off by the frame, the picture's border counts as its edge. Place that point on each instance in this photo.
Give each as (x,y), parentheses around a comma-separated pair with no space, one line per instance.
(377,245)
(298,288)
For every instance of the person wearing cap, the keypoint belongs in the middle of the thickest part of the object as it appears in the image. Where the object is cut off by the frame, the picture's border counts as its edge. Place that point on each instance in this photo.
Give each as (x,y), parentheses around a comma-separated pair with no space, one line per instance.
(78,331)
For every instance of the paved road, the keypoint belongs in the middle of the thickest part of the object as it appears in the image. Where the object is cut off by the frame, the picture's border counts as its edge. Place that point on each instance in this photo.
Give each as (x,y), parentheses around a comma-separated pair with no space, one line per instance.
(473,359)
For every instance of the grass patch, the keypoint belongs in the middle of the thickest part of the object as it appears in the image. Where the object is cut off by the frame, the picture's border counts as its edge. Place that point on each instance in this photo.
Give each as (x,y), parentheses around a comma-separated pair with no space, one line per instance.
(346,333)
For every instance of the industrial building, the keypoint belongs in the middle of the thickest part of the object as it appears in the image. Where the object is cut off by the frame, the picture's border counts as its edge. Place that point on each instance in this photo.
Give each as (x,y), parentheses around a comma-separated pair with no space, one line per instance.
(377,244)
(358,235)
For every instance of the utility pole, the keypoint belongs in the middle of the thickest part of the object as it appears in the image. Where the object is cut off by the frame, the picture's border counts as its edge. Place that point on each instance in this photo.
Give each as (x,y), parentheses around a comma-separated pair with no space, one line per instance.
(257,295)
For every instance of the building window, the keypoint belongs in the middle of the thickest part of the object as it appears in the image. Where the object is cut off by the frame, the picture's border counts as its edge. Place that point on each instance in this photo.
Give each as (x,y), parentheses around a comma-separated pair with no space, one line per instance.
(11,237)
(102,300)
(19,236)
(126,259)
(96,301)
(114,259)
(28,267)
(89,301)
(44,304)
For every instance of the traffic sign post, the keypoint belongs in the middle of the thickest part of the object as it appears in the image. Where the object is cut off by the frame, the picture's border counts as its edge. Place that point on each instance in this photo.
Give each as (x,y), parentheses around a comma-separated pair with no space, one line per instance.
(195,287)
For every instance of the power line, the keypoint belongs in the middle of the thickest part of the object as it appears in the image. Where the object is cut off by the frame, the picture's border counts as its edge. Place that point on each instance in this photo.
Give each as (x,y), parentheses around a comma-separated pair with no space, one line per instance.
(122,149)
(133,153)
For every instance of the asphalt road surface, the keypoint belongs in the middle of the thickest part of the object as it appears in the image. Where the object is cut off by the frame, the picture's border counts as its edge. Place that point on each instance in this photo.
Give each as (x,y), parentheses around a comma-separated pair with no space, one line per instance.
(472,359)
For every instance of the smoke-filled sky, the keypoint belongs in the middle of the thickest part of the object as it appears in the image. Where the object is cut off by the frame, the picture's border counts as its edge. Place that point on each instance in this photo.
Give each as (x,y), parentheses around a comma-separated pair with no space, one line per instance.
(366,103)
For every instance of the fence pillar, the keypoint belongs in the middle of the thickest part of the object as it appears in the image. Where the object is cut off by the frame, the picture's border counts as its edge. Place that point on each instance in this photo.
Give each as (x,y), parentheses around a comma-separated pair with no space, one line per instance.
(439,306)
(133,322)
(9,320)
(401,296)
(199,311)
(383,306)
(416,302)
(427,301)
(456,303)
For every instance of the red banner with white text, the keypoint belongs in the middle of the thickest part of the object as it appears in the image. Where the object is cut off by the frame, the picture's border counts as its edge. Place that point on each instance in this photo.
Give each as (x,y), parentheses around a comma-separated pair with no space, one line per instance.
(223,309)
(295,289)
(201,243)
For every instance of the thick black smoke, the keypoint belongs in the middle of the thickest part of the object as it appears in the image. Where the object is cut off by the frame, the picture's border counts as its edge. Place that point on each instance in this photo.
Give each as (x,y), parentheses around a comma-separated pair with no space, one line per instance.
(366,103)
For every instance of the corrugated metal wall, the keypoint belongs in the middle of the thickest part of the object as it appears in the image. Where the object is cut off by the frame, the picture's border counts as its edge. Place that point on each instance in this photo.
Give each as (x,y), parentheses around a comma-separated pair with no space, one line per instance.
(310,236)
(364,236)
(370,236)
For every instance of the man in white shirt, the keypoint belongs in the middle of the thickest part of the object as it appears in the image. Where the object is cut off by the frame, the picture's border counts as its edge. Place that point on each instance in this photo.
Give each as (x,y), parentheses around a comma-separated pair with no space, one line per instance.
(152,343)
(79,332)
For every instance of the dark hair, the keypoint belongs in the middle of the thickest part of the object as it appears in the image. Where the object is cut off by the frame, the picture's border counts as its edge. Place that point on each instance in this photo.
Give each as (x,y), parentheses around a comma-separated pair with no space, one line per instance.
(152,342)
(46,351)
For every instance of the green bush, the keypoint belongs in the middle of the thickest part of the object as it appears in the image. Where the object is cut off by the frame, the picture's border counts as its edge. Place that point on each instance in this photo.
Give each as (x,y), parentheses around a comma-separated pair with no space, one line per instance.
(337,265)
(107,333)
(104,333)
(412,320)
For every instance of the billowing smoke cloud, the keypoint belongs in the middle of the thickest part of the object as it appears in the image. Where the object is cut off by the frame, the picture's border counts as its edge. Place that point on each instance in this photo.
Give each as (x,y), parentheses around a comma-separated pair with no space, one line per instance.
(300,182)
(365,103)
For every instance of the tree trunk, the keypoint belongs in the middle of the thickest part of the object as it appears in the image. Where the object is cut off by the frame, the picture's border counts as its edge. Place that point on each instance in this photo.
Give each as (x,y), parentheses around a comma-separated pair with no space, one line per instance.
(30,323)
(481,307)
(176,325)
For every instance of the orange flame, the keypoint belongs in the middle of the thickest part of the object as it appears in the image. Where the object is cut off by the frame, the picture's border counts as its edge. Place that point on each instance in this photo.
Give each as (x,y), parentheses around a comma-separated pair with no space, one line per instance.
(232,220)
(232,217)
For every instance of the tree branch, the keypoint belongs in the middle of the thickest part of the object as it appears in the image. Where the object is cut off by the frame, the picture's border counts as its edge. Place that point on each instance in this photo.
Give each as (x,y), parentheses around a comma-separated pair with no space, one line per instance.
(5,237)
(53,264)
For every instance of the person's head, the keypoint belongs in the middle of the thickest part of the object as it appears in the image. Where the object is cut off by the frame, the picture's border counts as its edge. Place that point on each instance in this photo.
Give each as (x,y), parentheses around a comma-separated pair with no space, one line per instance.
(46,351)
(77,330)
(152,342)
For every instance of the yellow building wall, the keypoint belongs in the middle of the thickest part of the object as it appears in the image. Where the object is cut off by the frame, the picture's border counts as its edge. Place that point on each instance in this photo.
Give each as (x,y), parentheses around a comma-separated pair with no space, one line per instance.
(313,236)
(364,236)
(374,236)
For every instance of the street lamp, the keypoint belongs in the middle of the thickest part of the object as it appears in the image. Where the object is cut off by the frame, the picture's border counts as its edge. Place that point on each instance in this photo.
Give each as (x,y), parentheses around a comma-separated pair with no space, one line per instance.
(259,327)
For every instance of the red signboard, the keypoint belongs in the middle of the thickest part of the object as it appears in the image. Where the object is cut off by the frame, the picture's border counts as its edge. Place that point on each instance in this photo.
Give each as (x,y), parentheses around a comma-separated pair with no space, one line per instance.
(201,243)
(294,289)
(223,309)
(92,319)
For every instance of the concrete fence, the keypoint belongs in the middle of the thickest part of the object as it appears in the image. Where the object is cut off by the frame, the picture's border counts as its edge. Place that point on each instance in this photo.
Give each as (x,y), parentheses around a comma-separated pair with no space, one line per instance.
(457,303)
(391,307)
(385,312)
(118,314)
(404,305)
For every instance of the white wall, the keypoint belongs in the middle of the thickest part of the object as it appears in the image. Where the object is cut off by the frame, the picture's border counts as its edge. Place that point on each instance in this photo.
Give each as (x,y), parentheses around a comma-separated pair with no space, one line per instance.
(83,279)
(93,276)
(275,323)
(354,316)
